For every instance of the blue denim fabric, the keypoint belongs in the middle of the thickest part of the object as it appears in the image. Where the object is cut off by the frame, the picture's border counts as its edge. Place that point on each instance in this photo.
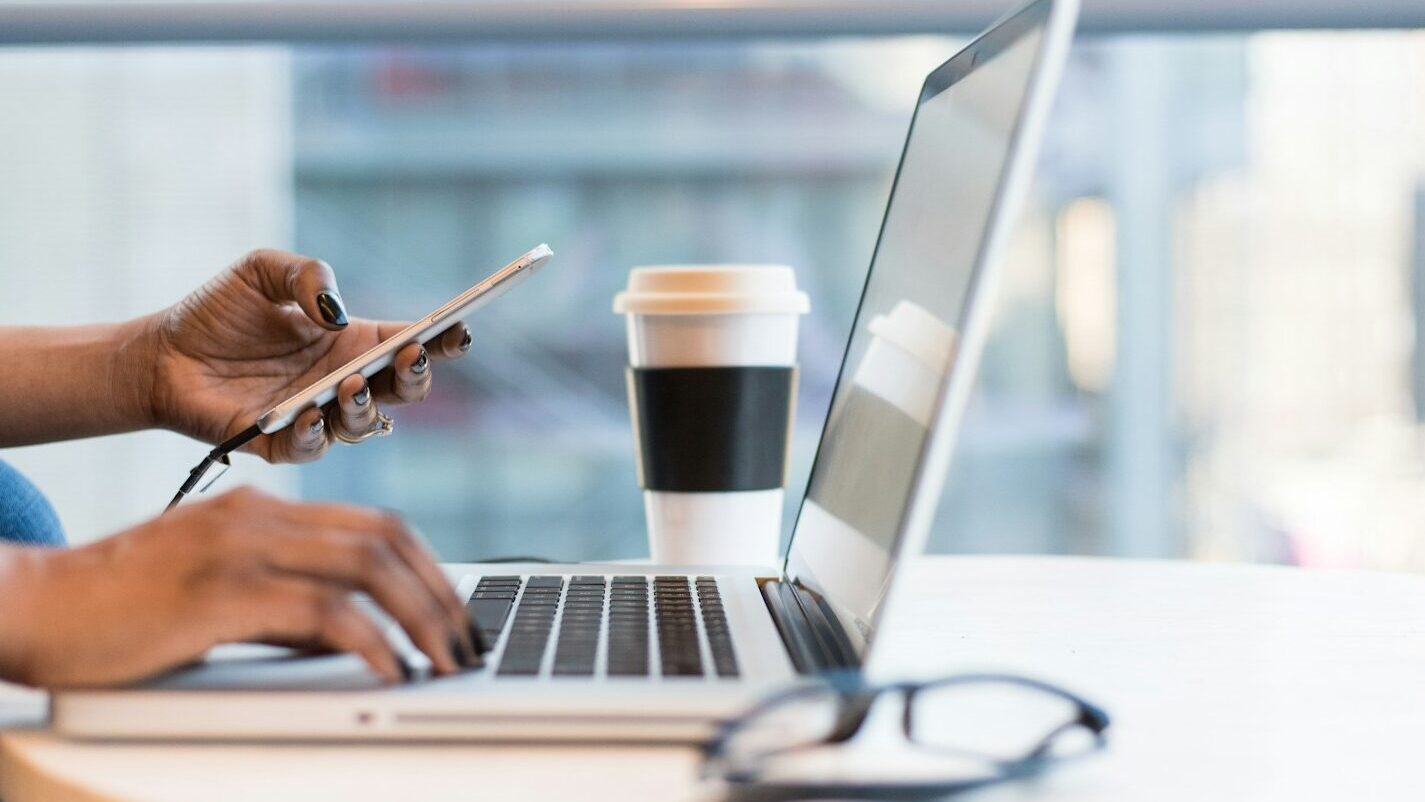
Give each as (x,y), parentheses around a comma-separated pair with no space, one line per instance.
(26,516)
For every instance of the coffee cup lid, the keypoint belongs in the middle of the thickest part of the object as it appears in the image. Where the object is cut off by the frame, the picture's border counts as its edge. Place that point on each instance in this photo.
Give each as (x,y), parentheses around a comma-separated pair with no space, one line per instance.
(712,290)
(914,330)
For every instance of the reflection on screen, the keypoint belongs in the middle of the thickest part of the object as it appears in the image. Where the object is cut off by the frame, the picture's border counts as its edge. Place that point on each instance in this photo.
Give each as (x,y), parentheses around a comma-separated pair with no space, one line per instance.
(905,335)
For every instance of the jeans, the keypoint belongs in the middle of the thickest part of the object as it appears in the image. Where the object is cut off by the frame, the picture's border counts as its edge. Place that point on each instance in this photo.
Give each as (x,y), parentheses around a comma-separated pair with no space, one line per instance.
(26,516)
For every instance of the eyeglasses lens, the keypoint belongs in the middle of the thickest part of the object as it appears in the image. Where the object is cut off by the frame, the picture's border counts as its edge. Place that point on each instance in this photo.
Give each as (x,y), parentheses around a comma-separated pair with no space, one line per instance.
(996,720)
(799,721)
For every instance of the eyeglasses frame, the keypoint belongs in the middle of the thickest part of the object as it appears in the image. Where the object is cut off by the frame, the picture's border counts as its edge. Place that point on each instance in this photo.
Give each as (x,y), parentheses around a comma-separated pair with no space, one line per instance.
(856,698)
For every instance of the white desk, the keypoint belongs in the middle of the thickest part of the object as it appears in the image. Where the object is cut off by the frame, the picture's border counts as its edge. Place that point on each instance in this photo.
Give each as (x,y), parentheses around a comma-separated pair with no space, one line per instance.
(1225,682)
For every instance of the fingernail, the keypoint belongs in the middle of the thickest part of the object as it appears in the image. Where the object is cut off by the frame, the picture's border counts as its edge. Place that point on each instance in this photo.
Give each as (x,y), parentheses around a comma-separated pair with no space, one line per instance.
(317,426)
(463,654)
(477,639)
(422,362)
(362,396)
(331,307)
(465,342)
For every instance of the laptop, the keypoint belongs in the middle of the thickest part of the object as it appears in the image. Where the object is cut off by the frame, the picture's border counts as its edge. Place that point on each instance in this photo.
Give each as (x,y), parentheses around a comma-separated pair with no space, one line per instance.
(656,653)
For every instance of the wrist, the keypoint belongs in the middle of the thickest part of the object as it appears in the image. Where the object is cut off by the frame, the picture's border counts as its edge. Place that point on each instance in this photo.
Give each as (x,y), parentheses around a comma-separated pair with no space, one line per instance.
(133,373)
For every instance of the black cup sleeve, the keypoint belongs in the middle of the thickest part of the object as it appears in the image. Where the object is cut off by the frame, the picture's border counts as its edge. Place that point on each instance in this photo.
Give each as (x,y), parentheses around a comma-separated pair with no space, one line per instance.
(713,429)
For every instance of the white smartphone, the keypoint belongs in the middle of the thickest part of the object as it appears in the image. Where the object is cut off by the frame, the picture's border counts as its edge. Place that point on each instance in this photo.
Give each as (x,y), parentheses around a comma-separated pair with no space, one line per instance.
(422,331)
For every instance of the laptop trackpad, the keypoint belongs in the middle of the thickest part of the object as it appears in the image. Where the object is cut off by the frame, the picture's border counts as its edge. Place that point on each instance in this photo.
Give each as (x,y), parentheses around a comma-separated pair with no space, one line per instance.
(270,668)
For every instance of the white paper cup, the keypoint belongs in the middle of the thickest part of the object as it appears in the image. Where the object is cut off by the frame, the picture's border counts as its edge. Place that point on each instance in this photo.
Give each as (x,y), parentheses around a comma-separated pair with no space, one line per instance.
(711,321)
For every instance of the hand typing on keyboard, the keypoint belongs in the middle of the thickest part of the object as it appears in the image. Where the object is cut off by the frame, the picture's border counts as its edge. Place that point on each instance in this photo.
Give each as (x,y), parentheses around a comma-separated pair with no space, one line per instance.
(243,566)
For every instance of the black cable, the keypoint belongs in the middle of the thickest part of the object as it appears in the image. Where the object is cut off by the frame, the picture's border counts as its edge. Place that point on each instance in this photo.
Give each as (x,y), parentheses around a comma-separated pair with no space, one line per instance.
(218,456)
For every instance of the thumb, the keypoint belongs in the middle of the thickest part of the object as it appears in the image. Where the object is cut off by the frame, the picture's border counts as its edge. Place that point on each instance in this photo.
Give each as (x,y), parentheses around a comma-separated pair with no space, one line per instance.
(310,283)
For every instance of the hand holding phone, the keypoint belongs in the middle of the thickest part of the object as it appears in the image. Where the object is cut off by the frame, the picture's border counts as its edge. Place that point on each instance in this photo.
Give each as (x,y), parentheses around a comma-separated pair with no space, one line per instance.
(372,361)
(368,364)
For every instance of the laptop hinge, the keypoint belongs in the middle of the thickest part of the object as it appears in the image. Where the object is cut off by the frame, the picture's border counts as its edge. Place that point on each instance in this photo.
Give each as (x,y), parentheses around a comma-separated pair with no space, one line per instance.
(810,630)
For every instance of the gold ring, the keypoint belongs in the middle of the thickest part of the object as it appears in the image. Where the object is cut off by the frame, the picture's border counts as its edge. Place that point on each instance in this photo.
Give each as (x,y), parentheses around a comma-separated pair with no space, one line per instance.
(380,427)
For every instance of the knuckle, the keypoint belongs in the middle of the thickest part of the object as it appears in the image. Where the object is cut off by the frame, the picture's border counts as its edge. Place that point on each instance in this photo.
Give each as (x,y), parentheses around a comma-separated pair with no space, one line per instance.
(361,414)
(329,610)
(346,393)
(243,496)
(305,444)
(354,424)
(314,269)
(436,615)
(257,265)
(313,451)
(255,259)
(373,557)
(291,274)
(393,527)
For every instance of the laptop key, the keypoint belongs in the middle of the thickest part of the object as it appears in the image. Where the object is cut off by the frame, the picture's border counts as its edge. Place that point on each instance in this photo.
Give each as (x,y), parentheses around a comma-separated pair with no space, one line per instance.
(512,668)
(717,629)
(682,668)
(489,614)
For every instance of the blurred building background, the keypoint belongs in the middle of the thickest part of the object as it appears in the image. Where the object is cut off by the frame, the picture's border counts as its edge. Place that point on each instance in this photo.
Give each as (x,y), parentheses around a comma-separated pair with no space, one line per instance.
(1211,343)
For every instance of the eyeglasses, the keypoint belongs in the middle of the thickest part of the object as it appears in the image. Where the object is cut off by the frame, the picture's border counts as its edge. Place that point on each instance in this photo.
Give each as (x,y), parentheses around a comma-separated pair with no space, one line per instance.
(967,731)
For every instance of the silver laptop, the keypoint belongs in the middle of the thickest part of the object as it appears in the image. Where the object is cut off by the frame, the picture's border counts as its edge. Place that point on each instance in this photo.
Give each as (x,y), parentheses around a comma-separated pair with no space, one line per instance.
(657,653)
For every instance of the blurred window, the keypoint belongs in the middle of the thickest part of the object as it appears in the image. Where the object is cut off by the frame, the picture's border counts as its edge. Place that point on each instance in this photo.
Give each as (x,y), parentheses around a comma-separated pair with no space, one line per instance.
(1209,343)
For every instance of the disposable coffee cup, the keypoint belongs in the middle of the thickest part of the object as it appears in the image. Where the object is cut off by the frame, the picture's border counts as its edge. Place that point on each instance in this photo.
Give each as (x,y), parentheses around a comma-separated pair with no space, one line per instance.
(712,381)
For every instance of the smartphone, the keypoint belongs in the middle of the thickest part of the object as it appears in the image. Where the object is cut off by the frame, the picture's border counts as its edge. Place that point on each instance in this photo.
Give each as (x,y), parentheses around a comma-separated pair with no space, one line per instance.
(422,331)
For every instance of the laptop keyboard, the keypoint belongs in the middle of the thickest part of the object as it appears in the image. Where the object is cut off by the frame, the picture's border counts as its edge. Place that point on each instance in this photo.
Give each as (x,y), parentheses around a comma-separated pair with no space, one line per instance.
(606,622)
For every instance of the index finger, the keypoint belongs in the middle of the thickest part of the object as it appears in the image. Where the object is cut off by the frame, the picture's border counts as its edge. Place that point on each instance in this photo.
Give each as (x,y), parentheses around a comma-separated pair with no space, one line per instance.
(451,342)
(417,557)
(284,277)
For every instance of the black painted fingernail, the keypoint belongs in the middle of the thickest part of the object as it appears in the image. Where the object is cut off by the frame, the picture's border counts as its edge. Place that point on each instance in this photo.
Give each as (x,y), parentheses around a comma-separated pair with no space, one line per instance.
(463,654)
(477,639)
(317,426)
(331,307)
(422,362)
(465,341)
(362,396)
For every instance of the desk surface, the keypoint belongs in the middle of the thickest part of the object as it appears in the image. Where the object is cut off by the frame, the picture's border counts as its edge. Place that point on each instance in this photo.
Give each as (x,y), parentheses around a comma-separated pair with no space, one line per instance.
(1225,682)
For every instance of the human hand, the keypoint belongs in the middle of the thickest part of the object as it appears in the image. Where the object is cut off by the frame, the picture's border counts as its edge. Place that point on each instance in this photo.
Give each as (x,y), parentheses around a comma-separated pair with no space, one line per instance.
(239,567)
(259,332)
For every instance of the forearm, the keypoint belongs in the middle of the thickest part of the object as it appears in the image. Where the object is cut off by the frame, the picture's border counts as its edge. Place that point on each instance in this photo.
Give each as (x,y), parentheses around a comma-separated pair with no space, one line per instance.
(20,566)
(64,383)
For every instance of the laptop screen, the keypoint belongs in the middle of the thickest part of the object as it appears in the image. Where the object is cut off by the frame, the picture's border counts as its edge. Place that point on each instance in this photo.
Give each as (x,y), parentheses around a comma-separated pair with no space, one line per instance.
(905,337)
